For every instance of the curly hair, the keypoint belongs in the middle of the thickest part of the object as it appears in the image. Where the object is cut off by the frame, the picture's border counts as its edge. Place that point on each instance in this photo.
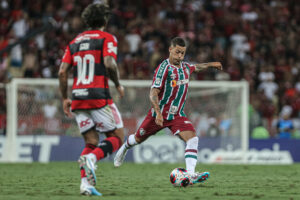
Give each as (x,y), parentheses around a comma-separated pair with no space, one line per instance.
(96,15)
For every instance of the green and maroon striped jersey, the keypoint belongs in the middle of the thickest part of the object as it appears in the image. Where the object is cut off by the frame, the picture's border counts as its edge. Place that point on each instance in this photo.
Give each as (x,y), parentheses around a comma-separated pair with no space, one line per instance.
(173,83)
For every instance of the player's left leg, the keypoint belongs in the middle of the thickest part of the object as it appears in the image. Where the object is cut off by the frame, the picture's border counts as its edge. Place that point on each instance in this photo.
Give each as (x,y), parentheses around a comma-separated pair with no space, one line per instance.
(87,129)
(182,127)
(191,151)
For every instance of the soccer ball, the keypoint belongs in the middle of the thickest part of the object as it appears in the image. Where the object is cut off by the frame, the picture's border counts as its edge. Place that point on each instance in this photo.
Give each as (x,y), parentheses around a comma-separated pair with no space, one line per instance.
(179,177)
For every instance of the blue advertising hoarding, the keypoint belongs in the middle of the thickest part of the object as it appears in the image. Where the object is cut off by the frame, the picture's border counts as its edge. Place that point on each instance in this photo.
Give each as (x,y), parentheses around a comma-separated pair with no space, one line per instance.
(157,149)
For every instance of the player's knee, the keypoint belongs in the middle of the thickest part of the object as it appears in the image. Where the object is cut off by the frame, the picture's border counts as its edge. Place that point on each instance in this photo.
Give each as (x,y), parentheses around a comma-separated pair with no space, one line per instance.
(120,134)
(138,140)
(92,141)
(193,141)
(187,135)
(91,137)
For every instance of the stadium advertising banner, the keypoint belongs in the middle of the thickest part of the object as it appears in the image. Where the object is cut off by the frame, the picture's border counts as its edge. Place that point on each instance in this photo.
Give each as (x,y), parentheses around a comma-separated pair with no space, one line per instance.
(156,150)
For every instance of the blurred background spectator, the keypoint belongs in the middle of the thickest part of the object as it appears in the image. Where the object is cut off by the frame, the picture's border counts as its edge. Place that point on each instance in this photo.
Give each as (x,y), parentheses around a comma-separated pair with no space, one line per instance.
(256,41)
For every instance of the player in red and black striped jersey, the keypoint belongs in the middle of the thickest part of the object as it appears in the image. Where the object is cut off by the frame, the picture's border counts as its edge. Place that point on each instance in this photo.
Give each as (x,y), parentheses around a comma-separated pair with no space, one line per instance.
(167,95)
(92,56)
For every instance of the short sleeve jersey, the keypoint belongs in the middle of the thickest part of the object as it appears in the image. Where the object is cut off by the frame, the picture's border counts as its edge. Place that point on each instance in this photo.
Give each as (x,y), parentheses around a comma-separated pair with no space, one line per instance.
(86,53)
(173,83)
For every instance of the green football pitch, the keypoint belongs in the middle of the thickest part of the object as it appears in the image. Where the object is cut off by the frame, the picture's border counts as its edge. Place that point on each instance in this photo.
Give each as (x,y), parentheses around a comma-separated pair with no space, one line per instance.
(60,181)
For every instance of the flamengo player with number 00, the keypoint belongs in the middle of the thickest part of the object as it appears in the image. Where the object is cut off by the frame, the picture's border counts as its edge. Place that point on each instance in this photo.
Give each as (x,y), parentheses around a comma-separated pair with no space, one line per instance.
(92,56)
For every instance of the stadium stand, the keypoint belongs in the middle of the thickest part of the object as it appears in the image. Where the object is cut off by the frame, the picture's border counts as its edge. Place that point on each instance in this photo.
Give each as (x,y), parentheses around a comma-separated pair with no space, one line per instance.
(257,41)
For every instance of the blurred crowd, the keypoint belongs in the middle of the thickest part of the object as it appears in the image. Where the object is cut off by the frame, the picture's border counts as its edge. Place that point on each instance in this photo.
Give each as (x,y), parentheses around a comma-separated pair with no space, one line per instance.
(256,41)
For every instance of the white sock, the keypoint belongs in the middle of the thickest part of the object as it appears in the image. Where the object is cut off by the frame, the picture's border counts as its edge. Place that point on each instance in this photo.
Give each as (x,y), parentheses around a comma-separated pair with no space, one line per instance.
(84,181)
(130,142)
(190,155)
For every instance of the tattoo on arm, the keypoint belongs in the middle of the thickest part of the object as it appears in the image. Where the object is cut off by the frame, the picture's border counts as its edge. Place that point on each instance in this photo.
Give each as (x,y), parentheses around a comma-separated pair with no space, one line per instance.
(63,79)
(154,99)
(112,69)
(201,66)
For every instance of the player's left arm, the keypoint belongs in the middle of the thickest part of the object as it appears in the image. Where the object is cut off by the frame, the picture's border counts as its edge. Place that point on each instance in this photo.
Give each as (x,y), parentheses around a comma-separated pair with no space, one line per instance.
(63,86)
(203,66)
(113,73)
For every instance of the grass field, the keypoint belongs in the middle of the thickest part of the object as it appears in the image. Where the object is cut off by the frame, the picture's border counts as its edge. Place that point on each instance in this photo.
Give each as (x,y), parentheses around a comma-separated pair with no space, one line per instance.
(60,181)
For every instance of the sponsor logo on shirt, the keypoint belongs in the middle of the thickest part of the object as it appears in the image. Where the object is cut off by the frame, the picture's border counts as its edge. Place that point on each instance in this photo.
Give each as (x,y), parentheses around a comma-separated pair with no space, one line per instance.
(80,92)
(112,48)
(84,123)
(173,110)
(173,76)
(84,46)
(175,83)
(86,37)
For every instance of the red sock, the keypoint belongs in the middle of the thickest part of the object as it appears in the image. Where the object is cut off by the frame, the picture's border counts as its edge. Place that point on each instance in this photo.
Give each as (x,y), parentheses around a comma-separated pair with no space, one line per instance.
(107,146)
(88,149)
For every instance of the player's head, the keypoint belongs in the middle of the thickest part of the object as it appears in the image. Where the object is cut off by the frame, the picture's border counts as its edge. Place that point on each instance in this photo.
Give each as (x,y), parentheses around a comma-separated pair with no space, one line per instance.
(177,50)
(96,15)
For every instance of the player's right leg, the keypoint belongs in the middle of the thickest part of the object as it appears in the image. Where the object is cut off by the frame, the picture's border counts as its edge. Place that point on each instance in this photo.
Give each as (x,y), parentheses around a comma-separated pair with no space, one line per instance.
(147,128)
(87,189)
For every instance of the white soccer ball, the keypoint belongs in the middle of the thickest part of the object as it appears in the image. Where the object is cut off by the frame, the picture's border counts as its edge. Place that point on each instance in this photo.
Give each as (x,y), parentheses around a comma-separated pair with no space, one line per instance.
(179,177)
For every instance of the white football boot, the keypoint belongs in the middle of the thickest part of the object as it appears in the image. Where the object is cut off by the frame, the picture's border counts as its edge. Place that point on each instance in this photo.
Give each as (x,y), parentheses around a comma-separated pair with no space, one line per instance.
(89,167)
(120,156)
(89,190)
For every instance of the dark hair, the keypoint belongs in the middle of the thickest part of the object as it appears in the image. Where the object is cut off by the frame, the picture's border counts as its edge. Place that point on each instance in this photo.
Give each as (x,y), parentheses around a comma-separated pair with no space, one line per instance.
(96,15)
(178,41)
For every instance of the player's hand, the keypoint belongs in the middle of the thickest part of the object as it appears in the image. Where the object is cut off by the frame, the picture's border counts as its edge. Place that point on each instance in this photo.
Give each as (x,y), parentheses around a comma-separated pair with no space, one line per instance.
(216,65)
(159,120)
(121,91)
(67,107)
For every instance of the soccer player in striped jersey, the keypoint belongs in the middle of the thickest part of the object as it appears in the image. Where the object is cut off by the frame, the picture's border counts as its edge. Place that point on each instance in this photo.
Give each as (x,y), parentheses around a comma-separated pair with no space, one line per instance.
(167,95)
(92,55)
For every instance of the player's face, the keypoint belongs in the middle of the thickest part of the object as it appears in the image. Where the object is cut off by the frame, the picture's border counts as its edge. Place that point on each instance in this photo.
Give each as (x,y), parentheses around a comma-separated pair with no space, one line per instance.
(176,54)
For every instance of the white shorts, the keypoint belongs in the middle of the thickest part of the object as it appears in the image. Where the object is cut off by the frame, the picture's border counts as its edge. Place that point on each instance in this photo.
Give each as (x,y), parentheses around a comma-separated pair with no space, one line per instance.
(104,119)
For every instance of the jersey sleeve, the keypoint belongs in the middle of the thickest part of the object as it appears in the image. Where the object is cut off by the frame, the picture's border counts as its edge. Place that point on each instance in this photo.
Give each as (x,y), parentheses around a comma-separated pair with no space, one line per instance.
(67,58)
(160,76)
(110,46)
(191,67)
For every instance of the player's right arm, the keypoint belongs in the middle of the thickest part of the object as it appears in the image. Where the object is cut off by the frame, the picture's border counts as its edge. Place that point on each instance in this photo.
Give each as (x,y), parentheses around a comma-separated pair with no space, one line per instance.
(63,81)
(63,86)
(155,103)
(158,83)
